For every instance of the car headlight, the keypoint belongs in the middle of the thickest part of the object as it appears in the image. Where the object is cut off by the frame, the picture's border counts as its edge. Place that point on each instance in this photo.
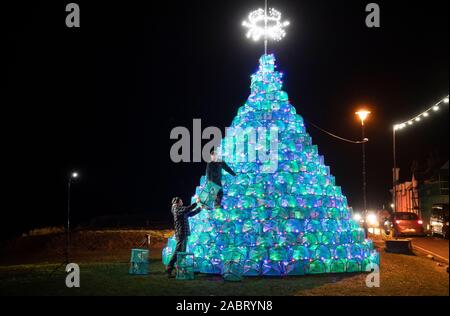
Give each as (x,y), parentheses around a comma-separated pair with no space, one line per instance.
(372,219)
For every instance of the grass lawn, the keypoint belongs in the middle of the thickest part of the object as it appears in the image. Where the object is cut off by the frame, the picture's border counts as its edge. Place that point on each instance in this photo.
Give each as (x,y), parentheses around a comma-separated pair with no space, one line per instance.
(108,275)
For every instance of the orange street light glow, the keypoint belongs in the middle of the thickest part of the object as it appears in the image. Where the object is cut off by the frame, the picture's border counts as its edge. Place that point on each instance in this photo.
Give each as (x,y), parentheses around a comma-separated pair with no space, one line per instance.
(363,114)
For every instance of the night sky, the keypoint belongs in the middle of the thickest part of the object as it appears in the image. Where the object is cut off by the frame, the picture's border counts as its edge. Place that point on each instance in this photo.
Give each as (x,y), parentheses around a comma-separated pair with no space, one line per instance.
(103,98)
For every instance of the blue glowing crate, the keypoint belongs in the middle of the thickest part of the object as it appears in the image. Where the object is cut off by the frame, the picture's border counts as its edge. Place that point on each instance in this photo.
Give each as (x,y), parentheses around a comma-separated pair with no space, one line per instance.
(233,270)
(208,193)
(138,268)
(139,261)
(185,266)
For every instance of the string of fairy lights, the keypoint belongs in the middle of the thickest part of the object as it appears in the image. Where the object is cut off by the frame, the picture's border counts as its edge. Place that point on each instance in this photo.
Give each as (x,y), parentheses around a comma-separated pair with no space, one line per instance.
(416,119)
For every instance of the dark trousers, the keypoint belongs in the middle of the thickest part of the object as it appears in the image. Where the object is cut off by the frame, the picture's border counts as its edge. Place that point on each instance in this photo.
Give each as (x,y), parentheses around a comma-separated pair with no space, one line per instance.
(181,247)
(218,201)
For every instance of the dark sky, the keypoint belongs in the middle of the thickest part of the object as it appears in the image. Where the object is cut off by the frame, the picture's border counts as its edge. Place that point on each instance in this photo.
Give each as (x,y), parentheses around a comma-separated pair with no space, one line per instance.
(103,98)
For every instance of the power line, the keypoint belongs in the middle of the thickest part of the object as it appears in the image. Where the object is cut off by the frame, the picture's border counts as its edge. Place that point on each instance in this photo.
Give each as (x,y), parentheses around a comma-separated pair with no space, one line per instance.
(336,136)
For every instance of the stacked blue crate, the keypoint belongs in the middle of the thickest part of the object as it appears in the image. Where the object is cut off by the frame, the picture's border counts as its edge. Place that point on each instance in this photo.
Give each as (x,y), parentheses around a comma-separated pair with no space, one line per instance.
(185,266)
(139,261)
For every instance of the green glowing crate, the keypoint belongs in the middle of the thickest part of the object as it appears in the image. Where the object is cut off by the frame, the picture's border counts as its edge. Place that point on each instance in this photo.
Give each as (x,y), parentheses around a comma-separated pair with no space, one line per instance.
(208,193)
(139,261)
(233,270)
(185,266)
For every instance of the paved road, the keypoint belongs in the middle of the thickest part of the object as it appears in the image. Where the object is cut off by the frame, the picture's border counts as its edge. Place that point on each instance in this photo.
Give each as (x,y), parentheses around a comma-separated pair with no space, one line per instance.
(437,246)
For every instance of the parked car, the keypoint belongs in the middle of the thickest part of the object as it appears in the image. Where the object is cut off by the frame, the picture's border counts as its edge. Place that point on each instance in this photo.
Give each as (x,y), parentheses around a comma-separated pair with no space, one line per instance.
(404,223)
(439,220)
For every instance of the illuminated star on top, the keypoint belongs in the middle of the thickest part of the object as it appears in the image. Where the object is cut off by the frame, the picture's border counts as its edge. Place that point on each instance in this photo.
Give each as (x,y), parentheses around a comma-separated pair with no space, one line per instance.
(266,25)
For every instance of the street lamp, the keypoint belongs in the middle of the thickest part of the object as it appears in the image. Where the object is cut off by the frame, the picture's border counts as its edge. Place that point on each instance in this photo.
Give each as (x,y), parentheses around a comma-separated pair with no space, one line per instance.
(73,176)
(394,171)
(363,114)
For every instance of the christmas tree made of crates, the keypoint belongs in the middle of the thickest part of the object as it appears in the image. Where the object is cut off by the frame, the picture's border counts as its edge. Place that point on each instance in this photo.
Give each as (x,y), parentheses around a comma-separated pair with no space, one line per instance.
(293,221)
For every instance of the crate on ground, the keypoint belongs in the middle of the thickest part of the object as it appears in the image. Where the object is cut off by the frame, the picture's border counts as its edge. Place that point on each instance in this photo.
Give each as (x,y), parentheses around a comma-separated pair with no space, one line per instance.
(139,261)
(185,266)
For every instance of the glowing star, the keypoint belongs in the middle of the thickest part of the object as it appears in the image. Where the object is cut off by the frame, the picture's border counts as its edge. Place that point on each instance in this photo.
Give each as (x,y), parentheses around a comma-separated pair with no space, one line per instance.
(266,26)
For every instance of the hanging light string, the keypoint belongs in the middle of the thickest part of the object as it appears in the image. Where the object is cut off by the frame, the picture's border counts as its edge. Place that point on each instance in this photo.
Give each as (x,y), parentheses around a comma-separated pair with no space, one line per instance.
(424,114)
(336,136)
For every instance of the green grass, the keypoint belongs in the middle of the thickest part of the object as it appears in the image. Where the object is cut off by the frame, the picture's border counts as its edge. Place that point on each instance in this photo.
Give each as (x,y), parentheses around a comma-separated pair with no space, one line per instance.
(26,265)
(400,275)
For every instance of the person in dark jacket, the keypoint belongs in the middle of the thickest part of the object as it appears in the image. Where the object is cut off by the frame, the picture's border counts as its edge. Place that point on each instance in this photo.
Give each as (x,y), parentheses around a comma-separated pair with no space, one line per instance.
(181,216)
(214,174)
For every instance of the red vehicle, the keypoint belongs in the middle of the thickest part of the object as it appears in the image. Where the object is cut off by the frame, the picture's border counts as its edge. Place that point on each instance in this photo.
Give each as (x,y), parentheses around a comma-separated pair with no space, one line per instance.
(406,223)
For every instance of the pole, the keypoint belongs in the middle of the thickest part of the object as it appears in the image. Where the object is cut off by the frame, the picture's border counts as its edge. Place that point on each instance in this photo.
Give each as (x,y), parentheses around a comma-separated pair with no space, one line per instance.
(265,27)
(364,169)
(364,178)
(394,172)
(68,223)
(69,182)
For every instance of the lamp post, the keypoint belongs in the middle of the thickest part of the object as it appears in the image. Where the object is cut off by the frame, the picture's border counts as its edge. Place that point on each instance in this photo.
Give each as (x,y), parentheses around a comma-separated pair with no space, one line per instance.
(363,114)
(394,171)
(73,176)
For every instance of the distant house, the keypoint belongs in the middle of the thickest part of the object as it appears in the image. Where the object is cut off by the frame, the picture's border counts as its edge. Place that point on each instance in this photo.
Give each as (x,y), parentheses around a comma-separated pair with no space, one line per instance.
(423,190)
(432,191)
(407,196)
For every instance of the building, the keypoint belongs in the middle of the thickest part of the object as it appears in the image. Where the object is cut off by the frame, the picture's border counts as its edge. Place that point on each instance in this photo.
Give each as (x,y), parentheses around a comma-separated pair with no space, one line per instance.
(407,197)
(423,190)
(432,191)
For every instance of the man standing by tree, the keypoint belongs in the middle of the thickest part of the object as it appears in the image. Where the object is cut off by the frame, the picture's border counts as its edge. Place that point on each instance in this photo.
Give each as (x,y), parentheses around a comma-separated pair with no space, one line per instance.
(214,174)
(181,216)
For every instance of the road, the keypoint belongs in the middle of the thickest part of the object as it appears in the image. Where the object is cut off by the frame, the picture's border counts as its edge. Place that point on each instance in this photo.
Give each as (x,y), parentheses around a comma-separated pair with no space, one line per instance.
(437,247)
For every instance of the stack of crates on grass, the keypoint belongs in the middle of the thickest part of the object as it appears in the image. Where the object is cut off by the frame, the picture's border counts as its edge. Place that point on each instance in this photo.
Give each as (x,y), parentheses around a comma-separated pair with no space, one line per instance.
(139,261)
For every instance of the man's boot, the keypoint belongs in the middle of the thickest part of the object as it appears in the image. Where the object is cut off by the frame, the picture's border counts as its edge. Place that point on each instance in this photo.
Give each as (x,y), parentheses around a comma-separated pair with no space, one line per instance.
(169,272)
